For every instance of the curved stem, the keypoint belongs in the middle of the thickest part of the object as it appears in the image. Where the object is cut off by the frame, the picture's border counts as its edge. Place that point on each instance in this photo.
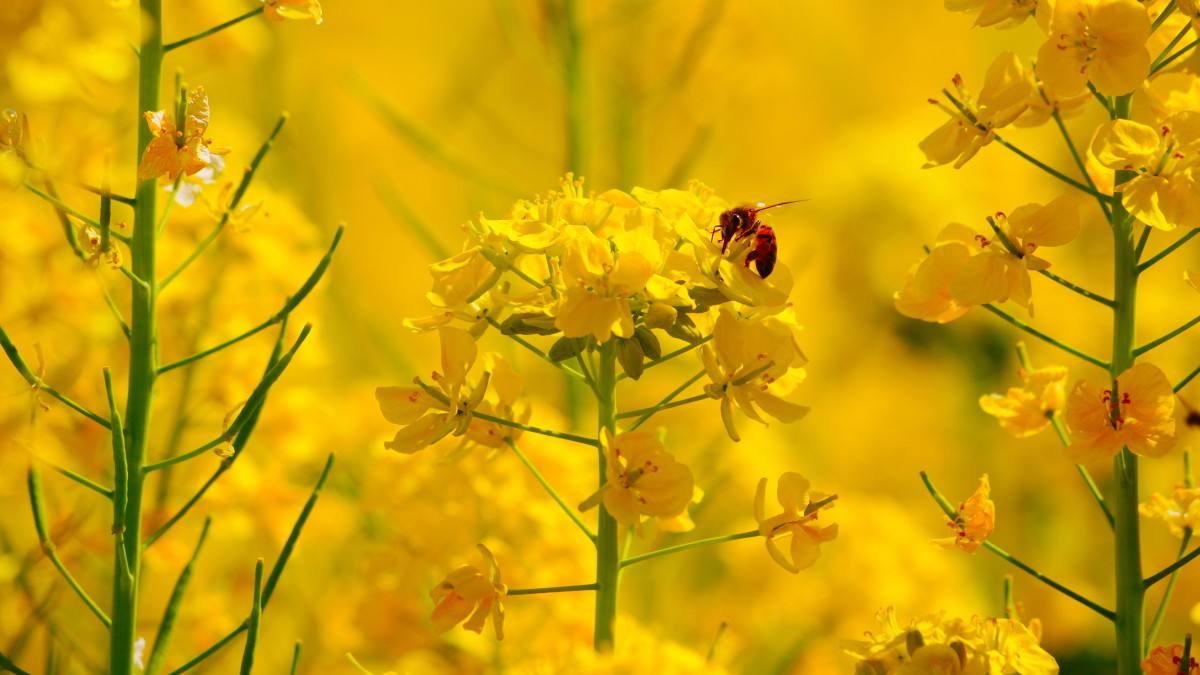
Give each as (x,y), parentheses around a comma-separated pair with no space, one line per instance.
(537,475)
(215,29)
(670,550)
(1045,337)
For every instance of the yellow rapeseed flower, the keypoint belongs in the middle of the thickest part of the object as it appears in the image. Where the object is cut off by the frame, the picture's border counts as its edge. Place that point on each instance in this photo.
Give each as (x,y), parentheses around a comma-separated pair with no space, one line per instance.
(173,151)
(598,282)
(1103,41)
(801,511)
(1002,13)
(469,596)
(1166,190)
(1025,411)
(641,479)
(1139,415)
(279,10)
(1164,660)
(973,122)
(975,520)
(1180,511)
(926,293)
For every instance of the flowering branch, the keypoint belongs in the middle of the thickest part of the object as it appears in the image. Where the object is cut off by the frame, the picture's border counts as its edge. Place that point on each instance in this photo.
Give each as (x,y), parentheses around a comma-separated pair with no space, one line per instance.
(1166,338)
(1172,568)
(170,46)
(666,402)
(1043,336)
(537,475)
(1168,250)
(952,513)
(748,534)
(551,589)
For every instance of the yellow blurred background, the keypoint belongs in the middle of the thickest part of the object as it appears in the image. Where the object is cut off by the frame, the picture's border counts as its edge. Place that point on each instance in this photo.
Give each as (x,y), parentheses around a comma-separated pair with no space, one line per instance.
(407,120)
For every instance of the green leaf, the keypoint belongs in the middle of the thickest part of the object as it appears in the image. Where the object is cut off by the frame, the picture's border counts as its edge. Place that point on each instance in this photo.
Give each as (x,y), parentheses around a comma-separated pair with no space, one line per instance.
(685,329)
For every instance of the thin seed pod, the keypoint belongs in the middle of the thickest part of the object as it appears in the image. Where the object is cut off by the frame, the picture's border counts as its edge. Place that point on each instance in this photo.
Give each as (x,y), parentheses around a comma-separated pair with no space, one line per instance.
(255,619)
(162,641)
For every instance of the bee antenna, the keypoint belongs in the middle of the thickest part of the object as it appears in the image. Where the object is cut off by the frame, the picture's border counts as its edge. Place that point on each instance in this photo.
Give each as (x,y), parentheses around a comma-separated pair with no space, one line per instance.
(771,206)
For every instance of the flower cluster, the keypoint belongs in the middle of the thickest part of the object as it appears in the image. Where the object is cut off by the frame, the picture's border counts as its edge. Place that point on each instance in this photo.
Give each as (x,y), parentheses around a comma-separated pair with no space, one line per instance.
(974,521)
(935,645)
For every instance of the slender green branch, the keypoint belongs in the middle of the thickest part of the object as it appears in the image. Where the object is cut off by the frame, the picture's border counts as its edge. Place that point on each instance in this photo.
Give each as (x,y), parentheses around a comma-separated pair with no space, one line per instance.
(1168,250)
(1170,569)
(1162,17)
(552,589)
(34,483)
(1075,288)
(296,657)
(166,628)
(1061,430)
(1166,338)
(1187,378)
(120,457)
(1172,58)
(1142,241)
(534,350)
(1075,155)
(561,435)
(238,194)
(562,504)
(85,482)
(1044,337)
(273,578)
(116,311)
(669,550)
(254,621)
(190,454)
(587,372)
(35,381)
(64,207)
(1163,60)
(7,664)
(646,413)
(672,355)
(666,402)
(952,513)
(170,46)
(292,302)
(1104,101)
(137,281)
(1161,613)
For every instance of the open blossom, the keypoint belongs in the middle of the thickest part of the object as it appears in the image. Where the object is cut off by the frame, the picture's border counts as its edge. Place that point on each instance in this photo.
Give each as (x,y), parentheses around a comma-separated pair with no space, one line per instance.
(799,519)
(427,415)
(935,645)
(641,479)
(279,10)
(1003,13)
(973,122)
(1164,660)
(469,596)
(600,282)
(1103,41)
(174,151)
(1165,190)
(926,293)
(1000,271)
(754,364)
(1180,511)
(502,400)
(975,520)
(1139,415)
(1024,411)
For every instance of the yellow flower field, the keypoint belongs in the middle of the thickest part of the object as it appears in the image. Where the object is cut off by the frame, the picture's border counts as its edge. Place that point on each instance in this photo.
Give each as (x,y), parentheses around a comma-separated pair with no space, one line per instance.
(550,336)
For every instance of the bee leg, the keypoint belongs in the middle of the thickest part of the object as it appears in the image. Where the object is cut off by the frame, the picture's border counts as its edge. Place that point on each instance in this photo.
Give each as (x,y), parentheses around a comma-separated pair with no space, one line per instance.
(750,257)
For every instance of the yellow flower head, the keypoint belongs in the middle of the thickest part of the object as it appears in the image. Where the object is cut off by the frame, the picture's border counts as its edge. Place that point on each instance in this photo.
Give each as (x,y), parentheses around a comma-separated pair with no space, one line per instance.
(975,520)
(600,282)
(427,414)
(173,151)
(1167,661)
(1180,511)
(973,122)
(754,364)
(1164,192)
(1139,414)
(1103,41)
(926,293)
(801,511)
(1002,13)
(471,595)
(1000,271)
(280,10)
(641,479)
(1024,411)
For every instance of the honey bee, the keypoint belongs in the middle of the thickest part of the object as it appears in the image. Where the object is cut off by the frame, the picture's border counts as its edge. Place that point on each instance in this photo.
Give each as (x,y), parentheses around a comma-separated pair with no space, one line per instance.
(742,221)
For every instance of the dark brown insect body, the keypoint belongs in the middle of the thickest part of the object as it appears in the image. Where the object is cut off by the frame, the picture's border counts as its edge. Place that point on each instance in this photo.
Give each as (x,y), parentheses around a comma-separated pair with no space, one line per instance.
(742,221)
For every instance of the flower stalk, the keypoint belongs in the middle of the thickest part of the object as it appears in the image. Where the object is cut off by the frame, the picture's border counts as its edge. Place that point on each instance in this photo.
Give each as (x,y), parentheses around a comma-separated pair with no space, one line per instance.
(608,554)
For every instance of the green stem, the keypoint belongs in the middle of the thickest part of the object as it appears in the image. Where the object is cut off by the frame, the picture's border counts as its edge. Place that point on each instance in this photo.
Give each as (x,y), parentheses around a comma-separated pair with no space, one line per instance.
(666,402)
(35,381)
(255,619)
(531,348)
(952,513)
(296,657)
(215,29)
(1162,17)
(36,503)
(1075,155)
(551,589)
(1075,288)
(1168,250)
(1172,568)
(1161,613)
(679,548)
(1061,430)
(166,628)
(1166,338)
(143,343)
(1044,337)
(537,475)
(608,561)
(86,482)
(1128,545)
(1187,378)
